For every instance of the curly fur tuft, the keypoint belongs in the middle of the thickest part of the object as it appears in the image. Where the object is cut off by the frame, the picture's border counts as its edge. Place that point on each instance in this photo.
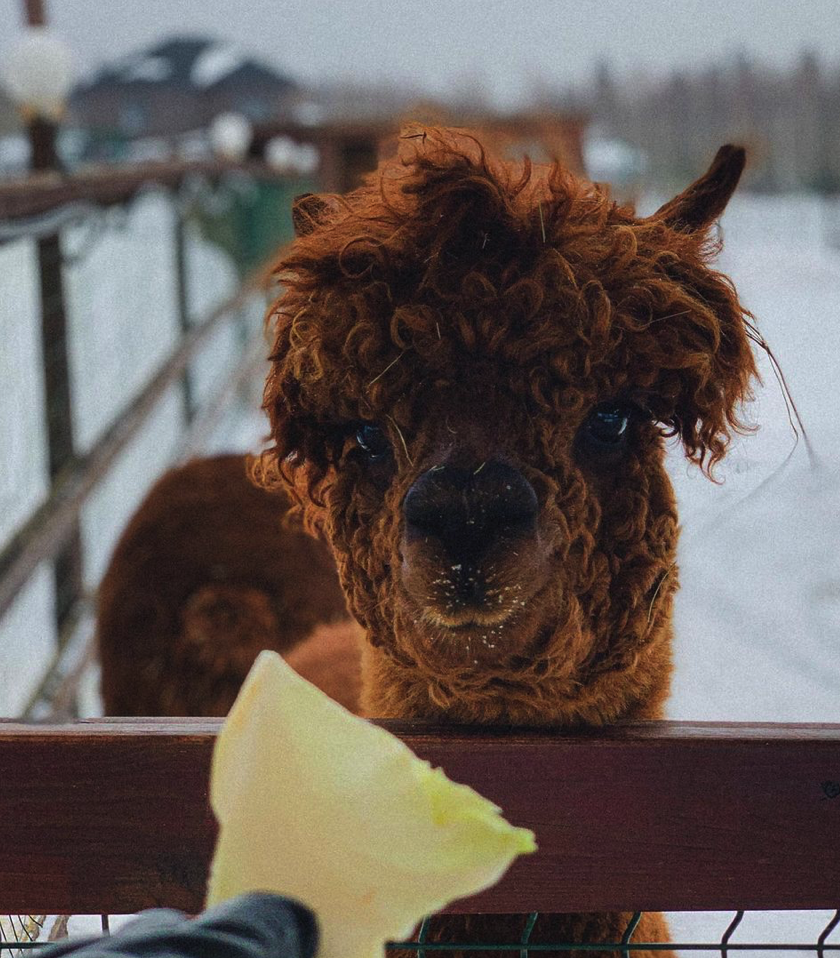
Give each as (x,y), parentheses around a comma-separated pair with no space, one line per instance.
(533,270)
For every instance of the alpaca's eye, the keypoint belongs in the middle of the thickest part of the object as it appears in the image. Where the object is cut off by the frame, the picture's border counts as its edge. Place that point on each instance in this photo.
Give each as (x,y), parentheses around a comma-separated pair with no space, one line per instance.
(372,441)
(607,427)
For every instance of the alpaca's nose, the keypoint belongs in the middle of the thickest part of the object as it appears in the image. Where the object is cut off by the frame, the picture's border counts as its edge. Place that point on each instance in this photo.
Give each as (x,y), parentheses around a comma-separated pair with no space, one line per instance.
(468,509)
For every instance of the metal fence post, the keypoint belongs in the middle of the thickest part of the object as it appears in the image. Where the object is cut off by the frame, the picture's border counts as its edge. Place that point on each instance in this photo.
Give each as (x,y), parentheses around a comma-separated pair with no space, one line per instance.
(182,292)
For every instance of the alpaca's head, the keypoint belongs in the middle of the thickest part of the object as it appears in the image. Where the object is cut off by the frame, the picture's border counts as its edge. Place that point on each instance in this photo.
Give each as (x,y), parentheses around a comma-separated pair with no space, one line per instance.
(474,372)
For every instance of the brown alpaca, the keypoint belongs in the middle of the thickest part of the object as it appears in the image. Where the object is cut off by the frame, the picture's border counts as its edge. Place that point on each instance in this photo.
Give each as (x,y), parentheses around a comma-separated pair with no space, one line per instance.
(474,372)
(202,579)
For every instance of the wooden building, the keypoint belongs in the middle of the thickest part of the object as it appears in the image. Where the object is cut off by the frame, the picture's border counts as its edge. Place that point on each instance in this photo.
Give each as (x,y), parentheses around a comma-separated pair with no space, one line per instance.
(347,149)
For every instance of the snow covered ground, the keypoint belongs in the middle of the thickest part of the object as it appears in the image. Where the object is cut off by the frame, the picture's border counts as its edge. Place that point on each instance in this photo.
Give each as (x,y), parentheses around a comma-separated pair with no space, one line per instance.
(758,615)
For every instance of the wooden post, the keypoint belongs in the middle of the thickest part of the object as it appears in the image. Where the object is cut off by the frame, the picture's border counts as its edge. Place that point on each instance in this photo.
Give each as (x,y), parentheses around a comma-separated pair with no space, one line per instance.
(35,13)
(68,570)
(68,563)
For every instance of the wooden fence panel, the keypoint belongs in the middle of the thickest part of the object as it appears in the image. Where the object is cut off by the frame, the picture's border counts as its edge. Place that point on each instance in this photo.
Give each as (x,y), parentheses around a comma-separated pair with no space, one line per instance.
(112,815)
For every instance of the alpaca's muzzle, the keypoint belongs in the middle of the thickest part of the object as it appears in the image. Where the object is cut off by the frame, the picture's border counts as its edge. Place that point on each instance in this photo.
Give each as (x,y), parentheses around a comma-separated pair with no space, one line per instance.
(464,527)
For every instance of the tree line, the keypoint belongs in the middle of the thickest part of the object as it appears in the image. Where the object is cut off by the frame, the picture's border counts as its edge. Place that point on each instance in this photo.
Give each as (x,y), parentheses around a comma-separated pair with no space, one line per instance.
(788,118)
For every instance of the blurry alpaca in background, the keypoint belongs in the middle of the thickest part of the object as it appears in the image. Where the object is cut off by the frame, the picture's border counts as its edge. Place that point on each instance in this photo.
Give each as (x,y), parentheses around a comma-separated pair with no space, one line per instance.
(204,577)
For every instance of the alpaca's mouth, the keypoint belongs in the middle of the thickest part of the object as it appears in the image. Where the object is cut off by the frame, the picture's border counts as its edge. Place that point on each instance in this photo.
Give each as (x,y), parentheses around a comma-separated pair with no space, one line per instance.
(455,603)
(470,619)
(476,634)
(481,632)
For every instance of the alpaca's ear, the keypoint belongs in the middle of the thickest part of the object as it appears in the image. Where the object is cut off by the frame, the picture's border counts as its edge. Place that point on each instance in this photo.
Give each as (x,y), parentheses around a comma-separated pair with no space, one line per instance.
(697,207)
(306,210)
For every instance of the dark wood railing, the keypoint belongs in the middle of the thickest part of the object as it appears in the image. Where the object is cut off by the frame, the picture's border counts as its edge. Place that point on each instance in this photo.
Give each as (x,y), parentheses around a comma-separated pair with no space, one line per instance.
(112,816)
(110,186)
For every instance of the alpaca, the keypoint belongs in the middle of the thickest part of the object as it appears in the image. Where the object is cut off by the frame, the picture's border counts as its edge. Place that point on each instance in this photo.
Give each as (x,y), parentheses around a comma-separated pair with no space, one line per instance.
(474,372)
(202,579)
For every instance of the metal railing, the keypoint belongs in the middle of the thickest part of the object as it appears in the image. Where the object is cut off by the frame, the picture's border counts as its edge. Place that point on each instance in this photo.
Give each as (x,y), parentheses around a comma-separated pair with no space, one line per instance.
(243,210)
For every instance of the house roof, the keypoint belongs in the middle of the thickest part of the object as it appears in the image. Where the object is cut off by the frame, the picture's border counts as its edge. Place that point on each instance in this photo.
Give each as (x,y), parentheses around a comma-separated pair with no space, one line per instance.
(193,63)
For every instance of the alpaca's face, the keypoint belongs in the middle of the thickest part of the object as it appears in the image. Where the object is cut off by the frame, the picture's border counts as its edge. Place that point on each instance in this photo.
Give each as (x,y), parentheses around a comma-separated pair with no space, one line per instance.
(486,529)
(471,383)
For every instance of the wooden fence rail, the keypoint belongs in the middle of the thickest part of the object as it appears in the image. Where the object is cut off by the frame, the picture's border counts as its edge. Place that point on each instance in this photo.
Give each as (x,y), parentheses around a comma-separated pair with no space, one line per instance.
(45,192)
(111,816)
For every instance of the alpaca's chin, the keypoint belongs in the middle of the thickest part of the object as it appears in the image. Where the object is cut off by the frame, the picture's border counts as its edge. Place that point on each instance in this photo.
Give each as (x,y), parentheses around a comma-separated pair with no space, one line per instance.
(474,634)
(476,631)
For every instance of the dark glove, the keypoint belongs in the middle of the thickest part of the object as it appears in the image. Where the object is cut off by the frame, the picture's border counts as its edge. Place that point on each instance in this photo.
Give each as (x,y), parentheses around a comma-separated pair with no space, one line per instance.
(251,926)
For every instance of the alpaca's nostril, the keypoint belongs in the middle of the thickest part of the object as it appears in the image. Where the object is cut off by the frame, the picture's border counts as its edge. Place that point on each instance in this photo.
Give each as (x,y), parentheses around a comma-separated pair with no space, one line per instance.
(468,509)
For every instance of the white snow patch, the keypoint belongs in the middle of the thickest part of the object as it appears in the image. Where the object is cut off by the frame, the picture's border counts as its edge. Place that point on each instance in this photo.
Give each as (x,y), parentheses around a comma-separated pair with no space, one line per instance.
(214,64)
(758,616)
(122,302)
(23,464)
(15,151)
(151,69)
(28,643)
(612,161)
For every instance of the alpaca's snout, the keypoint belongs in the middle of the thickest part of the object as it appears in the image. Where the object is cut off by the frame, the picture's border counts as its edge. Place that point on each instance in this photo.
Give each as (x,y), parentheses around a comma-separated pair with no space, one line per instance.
(467,510)
(472,553)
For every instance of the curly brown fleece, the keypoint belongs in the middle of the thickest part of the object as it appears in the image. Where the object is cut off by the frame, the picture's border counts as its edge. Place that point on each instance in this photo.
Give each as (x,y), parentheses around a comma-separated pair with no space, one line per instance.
(457,297)
(202,579)
(470,311)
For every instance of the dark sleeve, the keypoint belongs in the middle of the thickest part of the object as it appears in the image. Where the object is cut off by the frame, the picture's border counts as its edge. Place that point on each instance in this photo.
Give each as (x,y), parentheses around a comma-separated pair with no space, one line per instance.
(251,926)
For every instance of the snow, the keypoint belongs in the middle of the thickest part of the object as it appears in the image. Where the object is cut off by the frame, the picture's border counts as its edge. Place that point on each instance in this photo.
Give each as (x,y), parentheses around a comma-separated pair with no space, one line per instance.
(149,68)
(124,285)
(214,64)
(27,642)
(21,398)
(612,161)
(15,151)
(758,615)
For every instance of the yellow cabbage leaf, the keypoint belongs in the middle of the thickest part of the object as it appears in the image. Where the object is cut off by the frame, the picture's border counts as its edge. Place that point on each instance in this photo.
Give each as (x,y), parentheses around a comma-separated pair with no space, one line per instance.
(324,807)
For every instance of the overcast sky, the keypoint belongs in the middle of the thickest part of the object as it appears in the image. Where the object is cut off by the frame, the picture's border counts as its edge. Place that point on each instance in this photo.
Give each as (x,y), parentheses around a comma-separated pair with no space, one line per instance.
(506,44)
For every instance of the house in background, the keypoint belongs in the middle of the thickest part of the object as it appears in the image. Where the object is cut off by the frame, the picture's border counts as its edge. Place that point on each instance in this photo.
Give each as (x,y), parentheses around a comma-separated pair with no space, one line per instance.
(347,147)
(178,86)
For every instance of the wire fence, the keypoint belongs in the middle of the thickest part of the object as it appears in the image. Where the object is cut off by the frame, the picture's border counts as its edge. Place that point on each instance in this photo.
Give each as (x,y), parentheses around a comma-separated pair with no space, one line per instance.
(108,271)
(30,930)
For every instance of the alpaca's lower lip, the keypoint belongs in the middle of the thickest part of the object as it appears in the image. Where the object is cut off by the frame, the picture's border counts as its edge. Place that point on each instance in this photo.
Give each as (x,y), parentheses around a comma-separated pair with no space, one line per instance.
(464,623)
